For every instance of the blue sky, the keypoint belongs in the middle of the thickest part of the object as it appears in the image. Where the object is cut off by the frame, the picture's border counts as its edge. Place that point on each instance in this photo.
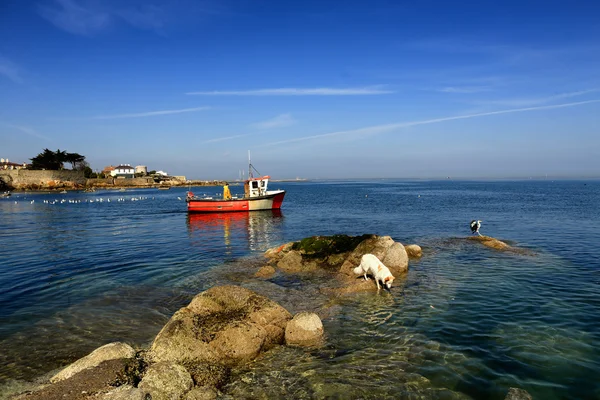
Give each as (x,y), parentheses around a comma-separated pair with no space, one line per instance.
(314,89)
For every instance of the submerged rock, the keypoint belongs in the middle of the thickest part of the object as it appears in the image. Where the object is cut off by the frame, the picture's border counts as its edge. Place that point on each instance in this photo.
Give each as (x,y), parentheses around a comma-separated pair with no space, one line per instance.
(265,272)
(499,245)
(517,394)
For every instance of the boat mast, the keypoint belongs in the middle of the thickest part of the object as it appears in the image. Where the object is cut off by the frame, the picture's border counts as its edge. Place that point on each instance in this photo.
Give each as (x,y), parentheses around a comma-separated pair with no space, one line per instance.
(249,166)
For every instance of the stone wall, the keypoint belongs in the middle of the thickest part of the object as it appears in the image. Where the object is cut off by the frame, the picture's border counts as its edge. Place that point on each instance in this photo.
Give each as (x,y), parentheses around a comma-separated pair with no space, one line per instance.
(25,179)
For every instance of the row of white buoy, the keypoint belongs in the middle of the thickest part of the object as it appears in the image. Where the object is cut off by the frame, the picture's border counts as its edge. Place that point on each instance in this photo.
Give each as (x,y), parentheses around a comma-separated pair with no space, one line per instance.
(97,200)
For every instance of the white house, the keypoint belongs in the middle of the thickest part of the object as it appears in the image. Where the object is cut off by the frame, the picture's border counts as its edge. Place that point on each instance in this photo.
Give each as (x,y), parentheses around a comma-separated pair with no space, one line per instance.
(163,173)
(123,170)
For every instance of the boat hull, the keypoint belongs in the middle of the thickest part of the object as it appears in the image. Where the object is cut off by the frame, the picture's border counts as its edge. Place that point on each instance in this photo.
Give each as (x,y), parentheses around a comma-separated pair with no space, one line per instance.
(271,201)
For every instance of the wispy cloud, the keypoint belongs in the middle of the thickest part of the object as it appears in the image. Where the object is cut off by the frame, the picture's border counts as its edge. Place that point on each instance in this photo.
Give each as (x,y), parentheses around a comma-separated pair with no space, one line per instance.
(222,139)
(279,121)
(465,89)
(88,17)
(74,18)
(10,70)
(377,129)
(525,102)
(324,91)
(26,130)
(151,113)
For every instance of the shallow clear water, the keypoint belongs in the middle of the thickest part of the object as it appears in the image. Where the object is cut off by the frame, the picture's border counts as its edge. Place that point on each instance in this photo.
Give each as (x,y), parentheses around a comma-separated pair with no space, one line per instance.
(466,322)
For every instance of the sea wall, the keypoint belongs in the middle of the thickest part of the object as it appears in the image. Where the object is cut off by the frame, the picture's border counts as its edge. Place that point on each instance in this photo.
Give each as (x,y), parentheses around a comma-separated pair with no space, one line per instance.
(115,182)
(24,179)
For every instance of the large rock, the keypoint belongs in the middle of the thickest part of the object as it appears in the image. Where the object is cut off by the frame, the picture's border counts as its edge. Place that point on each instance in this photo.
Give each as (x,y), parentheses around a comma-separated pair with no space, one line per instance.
(111,351)
(305,329)
(225,325)
(396,259)
(166,381)
(391,253)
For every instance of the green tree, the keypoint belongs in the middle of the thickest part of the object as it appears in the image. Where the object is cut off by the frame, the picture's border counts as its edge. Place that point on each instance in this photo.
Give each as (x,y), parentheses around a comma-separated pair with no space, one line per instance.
(55,160)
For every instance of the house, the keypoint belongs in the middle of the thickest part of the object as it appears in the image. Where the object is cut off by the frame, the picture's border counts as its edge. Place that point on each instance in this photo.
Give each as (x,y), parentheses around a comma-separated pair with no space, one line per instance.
(108,170)
(5,164)
(123,171)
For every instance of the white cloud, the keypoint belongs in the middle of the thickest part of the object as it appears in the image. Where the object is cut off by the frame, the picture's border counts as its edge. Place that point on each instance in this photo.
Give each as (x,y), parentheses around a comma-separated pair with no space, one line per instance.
(525,102)
(360,91)
(75,18)
(222,139)
(26,130)
(393,127)
(465,89)
(152,113)
(10,70)
(279,121)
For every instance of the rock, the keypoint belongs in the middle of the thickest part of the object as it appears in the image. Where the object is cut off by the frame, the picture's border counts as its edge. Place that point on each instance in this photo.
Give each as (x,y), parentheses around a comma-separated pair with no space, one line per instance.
(223,325)
(265,272)
(165,381)
(517,394)
(239,344)
(209,375)
(396,259)
(125,392)
(490,242)
(378,246)
(291,262)
(305,329)
(109,351)
(202,393)
(99,379)
(276,252)
(413,250)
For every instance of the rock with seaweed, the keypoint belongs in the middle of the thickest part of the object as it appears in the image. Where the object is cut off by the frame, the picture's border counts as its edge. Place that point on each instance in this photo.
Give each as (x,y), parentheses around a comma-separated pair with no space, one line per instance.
(339,255)
(496,244)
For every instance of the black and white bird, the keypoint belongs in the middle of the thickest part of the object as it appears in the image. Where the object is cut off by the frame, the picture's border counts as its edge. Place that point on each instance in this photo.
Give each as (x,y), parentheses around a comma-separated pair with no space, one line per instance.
(475,225)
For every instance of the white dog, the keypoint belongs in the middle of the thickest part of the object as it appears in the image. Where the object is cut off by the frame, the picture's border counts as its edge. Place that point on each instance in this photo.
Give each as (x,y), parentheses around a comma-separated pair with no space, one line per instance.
(370,264)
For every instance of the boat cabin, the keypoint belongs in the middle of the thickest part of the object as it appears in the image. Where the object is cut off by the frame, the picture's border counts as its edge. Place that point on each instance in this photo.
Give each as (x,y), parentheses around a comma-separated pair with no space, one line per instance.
(256,187)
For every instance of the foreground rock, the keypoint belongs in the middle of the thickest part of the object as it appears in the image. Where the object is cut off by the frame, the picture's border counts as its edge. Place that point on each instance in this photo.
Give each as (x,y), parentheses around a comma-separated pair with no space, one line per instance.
(225,325)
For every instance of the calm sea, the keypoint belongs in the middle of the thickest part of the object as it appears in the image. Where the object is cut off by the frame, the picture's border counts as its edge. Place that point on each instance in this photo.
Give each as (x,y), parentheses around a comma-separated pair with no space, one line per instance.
(78,271)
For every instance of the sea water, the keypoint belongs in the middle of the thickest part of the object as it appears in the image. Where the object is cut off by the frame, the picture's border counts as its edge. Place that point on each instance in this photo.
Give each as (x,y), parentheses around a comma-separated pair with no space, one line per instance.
(80,270)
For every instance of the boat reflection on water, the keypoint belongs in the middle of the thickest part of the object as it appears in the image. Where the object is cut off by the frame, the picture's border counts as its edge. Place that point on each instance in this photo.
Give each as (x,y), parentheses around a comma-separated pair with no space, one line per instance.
(260,229)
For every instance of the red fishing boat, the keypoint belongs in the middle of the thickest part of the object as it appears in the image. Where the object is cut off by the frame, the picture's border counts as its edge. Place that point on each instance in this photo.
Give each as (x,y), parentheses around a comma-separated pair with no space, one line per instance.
(256,197)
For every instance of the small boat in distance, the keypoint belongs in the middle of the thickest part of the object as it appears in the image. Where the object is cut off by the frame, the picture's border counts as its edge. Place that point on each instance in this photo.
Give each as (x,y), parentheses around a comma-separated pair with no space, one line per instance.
(256,197)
